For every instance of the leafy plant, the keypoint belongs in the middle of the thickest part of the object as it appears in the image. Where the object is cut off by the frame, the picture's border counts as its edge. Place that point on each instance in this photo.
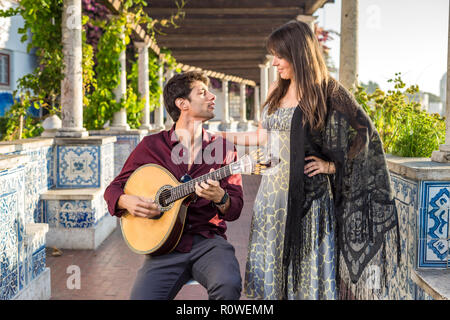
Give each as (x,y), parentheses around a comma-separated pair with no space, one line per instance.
(42,87)
(405,129)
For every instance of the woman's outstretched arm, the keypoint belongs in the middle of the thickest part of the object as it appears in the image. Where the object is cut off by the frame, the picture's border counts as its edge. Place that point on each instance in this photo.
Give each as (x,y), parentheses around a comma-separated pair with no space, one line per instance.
(251,138)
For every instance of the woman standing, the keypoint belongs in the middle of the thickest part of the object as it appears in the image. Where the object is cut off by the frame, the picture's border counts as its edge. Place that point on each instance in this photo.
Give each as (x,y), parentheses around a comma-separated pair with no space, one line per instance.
(330,197)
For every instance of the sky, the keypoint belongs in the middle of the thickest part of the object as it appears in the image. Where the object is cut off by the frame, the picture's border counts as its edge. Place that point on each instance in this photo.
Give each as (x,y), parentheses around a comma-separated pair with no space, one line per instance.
(407,36)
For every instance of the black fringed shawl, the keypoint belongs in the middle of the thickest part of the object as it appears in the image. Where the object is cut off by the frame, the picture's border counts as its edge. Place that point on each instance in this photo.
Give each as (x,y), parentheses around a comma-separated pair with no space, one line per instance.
(361,186)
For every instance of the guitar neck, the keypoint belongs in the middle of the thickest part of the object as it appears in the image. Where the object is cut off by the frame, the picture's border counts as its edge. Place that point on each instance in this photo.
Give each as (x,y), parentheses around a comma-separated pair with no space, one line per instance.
(188,188)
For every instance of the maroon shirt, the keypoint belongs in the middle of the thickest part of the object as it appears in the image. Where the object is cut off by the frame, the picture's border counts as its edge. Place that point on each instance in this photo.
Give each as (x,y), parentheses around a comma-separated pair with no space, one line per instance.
(203,217)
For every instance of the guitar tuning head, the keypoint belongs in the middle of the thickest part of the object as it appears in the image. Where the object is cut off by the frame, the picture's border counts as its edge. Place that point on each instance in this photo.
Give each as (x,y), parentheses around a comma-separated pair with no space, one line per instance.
(257,162)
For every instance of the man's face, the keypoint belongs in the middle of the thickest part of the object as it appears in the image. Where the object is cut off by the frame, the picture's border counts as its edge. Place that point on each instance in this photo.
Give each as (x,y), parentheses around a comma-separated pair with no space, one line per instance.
(201,104)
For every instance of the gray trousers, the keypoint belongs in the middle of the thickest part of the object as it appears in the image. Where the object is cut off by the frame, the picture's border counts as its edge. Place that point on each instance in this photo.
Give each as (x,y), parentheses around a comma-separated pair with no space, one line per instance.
(211,262)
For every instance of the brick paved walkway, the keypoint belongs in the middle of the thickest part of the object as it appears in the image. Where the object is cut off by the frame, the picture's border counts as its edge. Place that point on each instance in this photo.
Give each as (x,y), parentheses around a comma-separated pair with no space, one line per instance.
(108,273)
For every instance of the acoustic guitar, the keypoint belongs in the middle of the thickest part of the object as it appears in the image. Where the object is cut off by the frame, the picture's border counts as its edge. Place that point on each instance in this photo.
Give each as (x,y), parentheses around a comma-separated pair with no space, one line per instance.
(161,235)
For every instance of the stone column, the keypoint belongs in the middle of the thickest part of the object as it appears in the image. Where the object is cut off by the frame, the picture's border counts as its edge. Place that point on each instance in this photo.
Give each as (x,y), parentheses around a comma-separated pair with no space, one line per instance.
(272,71)
(257,106)
(443,155)
(143,83)
(310,20)
(159,111)
(348,66)
(119,122)
(243,109)
(169,122)
(72,84)
(225,124)
(243,123)
(264,87)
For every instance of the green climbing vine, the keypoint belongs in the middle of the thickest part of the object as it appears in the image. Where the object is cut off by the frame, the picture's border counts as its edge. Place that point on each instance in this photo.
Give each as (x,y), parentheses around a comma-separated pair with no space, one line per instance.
(41,88)
(100,102)
(101,67)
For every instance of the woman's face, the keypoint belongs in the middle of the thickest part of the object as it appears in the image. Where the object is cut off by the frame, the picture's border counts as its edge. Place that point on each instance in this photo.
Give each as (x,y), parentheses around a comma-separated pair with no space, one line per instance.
(284,68)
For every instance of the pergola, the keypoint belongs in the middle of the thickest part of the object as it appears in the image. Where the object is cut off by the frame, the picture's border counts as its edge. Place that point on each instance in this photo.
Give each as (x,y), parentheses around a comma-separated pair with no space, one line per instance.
(228,36)
(224,38)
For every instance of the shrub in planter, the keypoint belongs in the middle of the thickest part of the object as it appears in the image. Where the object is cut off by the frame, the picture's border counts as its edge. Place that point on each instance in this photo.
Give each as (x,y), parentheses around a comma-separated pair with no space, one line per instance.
(405,129)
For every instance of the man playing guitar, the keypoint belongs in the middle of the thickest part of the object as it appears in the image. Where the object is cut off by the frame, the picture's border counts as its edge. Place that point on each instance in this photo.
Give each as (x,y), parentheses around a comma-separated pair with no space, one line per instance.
(186,150)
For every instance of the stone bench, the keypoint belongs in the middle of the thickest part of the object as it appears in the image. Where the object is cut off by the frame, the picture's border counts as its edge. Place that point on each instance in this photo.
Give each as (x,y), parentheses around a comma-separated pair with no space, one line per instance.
(77,218)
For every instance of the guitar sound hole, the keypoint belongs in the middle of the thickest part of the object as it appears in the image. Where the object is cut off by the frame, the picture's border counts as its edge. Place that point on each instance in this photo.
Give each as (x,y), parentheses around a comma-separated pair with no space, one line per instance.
(164,195)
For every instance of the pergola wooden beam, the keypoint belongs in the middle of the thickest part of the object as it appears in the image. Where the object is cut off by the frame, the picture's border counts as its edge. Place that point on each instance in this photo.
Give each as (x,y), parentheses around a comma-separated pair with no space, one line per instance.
(216,74)
(191,57)
(174,42)
(229,3)
(247,29)
(235,64)
(238,11)
(223,22)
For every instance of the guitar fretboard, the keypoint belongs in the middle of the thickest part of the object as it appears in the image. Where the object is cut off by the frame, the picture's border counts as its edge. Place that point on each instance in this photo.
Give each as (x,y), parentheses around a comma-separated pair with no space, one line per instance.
(188,188)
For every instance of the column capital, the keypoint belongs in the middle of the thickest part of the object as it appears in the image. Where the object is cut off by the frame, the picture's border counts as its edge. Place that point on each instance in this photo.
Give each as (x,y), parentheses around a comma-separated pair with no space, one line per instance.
(310,20)
(262,66)
(141,44)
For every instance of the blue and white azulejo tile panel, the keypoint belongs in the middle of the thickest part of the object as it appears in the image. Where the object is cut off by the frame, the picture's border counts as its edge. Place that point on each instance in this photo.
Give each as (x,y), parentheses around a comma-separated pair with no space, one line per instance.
(69,213)
(11,230)
(433,241)
(107,159)
(406,199)
(50,163)
(73,213)
(78,167)
(37,179)
(123,147)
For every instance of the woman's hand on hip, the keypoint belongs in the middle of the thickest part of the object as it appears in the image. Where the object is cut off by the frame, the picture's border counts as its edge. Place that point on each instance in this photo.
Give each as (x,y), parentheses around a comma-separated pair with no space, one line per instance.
(317,165)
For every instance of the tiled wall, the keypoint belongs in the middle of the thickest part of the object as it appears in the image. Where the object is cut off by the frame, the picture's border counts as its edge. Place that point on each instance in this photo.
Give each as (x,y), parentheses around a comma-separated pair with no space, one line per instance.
(402,286)
(22,254)
(22,257)
(74,213)
(39,177)
(433,232)
(12,215)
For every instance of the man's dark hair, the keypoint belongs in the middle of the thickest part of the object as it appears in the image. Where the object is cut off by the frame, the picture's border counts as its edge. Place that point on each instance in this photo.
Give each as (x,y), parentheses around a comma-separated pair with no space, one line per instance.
(180,86)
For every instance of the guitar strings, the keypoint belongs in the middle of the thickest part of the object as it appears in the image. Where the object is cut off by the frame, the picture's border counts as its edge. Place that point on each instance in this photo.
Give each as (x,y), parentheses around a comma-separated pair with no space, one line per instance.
(166,194)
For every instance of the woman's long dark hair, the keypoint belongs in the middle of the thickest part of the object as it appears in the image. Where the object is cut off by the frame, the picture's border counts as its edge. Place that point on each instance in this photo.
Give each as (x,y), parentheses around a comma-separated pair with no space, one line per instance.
(296,43)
